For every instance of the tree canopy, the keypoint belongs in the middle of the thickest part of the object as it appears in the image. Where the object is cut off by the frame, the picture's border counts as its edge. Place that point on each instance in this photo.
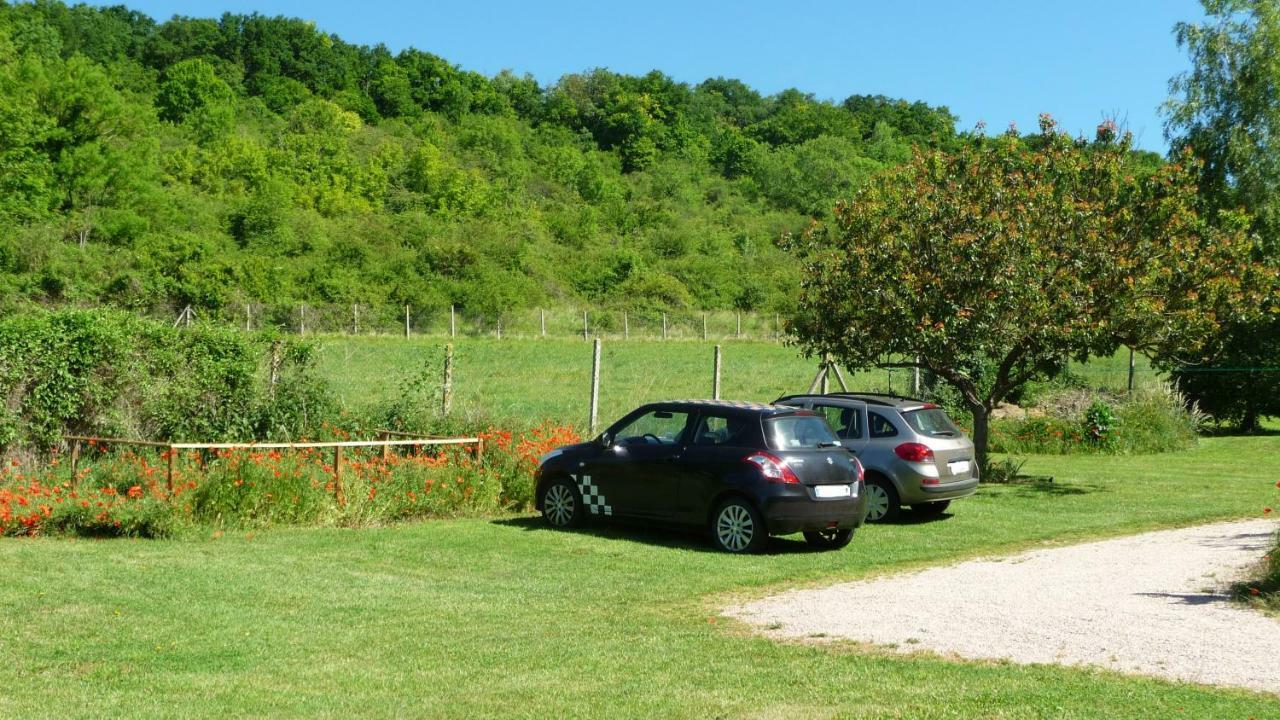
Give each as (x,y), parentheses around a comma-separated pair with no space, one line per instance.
(1226,109)
(995,264)
(223,160)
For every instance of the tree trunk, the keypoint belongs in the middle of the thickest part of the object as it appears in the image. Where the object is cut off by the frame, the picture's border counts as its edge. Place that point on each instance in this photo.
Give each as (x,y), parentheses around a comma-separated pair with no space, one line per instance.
(981,423)
(1249,423)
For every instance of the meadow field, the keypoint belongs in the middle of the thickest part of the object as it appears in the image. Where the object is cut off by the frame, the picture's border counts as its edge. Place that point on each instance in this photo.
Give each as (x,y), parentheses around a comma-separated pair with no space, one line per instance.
(501,617)
(529,379)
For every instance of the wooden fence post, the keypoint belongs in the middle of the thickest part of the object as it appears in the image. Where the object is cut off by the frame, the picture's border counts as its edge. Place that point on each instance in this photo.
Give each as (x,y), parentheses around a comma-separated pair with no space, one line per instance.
(586,328)
(453,323)
(273,368)
(337,476)
(777,327)
(543,315)
(446,395)
(739,333)
(704,326)
(664,326)
(406,322)
(172,453)
(75,460)
(248,318)
(595,386)
(355,318)
(715,376)
(915,379)
(302,319)
(497,327)
(1130,371)
(626,326)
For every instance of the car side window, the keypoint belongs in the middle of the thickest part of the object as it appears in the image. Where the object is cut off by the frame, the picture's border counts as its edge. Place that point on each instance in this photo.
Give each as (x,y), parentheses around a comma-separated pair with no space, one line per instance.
(723,430)
(846,421)
(880,425)
(656,427)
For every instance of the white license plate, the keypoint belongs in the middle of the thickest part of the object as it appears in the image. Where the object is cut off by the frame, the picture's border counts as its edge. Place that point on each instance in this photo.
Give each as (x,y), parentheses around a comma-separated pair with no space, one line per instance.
(958,467)
(830,491)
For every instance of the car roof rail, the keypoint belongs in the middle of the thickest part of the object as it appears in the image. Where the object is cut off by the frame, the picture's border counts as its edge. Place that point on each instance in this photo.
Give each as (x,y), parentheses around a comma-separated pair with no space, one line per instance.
(872,397)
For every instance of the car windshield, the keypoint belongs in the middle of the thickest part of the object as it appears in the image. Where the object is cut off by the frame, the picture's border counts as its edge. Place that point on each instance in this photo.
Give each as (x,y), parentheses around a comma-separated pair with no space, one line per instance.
(931,421)
(799,432)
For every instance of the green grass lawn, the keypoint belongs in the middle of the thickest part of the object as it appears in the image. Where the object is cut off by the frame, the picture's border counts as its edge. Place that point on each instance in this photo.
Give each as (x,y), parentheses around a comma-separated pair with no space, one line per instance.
(551,378)
(479,618)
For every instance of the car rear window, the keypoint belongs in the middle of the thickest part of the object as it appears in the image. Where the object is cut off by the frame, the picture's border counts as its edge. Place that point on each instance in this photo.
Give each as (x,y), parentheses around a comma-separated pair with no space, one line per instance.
(931,421)
(799,432)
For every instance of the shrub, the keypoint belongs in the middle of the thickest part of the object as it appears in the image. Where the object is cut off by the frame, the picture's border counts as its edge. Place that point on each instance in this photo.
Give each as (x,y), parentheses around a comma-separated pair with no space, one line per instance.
(125,494)
(1151,420)
(1003,472)
(1100,424)
(108,373)
(1155,420)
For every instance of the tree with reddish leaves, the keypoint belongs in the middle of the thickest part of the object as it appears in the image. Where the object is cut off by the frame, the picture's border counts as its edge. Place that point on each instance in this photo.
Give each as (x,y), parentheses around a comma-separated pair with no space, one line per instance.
(996,264)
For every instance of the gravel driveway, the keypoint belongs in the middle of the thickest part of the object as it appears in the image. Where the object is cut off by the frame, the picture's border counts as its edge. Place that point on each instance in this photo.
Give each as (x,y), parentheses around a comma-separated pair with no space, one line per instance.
(1148,604)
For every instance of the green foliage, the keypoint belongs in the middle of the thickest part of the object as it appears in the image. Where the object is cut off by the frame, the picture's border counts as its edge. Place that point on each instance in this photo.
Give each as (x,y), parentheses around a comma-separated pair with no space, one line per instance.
(1148,421)
(192,93)
(993,265)
(1100,424)
(213,161)
(1227,110)
(147,518)
(110,374)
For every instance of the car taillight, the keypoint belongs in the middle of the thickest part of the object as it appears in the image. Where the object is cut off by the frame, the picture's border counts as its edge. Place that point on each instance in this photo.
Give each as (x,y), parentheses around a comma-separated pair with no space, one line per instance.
(862,472)
(772,467)
(914,452)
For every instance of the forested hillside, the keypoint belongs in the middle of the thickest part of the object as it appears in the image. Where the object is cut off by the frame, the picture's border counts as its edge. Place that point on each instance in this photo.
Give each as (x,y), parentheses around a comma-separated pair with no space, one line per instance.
(217,161)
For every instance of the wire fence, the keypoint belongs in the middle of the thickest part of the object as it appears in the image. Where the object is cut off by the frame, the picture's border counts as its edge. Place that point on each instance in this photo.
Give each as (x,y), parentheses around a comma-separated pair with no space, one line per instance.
(586,323)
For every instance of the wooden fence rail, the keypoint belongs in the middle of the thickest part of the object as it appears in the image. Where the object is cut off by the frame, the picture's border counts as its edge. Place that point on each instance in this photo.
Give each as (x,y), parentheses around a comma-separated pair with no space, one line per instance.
(171,448)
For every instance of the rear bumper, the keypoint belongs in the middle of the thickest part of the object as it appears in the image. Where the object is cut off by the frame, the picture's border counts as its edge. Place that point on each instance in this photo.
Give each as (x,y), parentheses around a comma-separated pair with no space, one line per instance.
(786,514)
(914,492)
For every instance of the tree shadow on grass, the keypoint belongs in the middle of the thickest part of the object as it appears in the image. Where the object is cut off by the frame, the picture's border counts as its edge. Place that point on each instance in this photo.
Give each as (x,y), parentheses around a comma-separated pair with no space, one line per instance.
(1043,486)
(658,536)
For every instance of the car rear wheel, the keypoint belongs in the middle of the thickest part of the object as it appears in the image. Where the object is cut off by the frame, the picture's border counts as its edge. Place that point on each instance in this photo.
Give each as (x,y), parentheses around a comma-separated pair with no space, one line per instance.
(828,539)
(882,501)
(932,509)
(737,527)
(562,504)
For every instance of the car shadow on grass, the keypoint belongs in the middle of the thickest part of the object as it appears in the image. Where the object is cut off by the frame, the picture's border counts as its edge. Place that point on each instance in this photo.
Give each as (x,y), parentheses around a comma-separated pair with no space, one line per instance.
(672,538)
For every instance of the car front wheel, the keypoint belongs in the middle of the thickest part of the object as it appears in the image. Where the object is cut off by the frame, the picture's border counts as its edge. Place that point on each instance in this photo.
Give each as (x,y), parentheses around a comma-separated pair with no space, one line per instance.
(562,504)
(736,527)
(882,501)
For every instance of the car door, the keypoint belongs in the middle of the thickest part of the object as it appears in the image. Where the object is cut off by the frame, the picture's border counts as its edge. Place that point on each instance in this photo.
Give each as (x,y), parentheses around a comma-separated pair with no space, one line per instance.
(717,446)
(639,475)
(848,422)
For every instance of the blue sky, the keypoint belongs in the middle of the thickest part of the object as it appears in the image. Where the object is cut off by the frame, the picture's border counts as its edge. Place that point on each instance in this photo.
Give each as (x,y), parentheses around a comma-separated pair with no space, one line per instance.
(998,61)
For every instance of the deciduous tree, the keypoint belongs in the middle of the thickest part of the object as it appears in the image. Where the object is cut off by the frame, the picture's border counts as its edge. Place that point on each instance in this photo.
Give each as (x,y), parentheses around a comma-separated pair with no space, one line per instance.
(996,264)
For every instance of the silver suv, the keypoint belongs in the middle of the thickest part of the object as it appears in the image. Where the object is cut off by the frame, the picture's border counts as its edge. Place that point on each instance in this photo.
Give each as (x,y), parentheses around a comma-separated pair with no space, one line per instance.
(913,454)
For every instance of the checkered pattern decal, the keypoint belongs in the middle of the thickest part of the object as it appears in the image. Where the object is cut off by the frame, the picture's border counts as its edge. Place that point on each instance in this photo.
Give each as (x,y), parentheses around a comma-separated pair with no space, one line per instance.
(591,496)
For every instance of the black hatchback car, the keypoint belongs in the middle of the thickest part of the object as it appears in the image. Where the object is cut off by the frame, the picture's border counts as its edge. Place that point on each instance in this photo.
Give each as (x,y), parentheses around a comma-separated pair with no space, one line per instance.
(742,470)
